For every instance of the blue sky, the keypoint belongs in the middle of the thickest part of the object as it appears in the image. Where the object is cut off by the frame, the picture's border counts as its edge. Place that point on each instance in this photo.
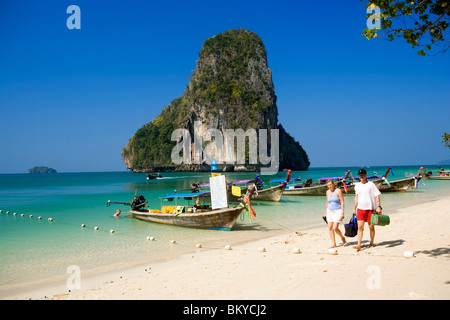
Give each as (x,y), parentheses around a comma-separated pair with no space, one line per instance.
(71,99)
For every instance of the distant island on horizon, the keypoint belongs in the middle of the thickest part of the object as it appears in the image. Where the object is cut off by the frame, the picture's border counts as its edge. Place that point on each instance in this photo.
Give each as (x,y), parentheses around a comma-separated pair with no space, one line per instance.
(41,169)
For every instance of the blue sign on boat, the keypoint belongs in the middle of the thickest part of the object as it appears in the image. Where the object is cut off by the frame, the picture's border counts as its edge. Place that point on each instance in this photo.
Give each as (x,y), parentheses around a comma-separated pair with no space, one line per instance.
(213,165)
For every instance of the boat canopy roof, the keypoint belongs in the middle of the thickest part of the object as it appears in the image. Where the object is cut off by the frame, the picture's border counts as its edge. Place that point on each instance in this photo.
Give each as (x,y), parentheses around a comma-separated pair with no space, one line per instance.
(332,178)
(184,195)
(375,176)
(283,179)
(243,181)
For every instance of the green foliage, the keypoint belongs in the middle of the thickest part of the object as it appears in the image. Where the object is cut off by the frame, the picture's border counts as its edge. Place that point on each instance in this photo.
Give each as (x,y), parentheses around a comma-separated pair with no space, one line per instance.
(422,23)
(446,139)
(246,42)
(223,80)
(151,146)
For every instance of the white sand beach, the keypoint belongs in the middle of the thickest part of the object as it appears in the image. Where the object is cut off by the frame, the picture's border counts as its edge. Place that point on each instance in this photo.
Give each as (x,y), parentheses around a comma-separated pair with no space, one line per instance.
(249,272)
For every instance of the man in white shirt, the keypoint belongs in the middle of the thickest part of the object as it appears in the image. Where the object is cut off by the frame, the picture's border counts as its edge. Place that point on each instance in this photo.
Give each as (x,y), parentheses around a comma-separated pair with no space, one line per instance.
(367,198)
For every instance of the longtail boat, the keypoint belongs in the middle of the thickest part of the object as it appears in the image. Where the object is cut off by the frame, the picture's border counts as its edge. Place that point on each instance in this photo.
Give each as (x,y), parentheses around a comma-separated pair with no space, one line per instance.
(441,175)
(382,183)
(349,186)
(203,217)
(320,188)
(151,176)
(194,215)
(260,193)
(271,193)
(310,188)
(400,185)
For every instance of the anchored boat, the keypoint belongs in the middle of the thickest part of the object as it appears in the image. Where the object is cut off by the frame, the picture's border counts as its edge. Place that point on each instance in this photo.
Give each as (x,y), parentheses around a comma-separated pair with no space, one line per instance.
(192,215)
(399,185)
(441,175)
(310,188)
(260,193)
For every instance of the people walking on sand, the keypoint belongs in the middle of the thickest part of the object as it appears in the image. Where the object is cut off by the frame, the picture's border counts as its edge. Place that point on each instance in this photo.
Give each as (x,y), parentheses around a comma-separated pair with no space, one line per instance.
(367,200)
(334,212)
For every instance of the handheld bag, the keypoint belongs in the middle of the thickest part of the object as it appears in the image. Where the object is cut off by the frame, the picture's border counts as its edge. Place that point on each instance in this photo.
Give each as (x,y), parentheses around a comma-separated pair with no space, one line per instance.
(380,219)
(351,228)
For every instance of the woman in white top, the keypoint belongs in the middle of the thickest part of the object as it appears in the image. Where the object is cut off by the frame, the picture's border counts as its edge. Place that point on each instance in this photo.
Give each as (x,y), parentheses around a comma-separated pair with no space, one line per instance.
(335,212)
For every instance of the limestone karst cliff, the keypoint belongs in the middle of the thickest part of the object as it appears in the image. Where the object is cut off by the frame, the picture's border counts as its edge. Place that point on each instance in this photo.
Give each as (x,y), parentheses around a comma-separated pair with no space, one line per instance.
(231,88)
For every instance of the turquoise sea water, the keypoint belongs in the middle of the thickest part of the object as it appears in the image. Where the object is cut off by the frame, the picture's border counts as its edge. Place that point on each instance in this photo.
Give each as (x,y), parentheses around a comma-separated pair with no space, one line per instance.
(35,250)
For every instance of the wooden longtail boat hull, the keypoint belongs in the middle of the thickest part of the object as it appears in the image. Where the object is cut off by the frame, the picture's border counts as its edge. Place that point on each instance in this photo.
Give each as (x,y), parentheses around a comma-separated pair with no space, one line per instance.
(395,186)
(269,194)
(398,185)
(220,219)
(306,191)
(320,190)
(438,178)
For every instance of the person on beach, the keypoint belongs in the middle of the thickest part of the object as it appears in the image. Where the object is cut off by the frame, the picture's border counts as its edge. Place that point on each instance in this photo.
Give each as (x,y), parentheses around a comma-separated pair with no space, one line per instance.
(117,214)
(334,212)
(367,198)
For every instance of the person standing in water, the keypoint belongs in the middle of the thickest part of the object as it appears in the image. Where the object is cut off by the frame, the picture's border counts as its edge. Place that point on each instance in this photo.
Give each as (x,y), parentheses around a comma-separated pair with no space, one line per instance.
(334,212)
(117,214)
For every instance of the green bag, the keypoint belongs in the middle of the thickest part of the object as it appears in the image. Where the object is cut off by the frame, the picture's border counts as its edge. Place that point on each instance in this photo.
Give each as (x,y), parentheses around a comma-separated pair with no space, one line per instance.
(380,219)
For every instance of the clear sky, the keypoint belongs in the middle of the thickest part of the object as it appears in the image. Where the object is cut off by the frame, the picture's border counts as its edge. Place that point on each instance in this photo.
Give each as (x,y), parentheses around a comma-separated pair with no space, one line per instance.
(71,99)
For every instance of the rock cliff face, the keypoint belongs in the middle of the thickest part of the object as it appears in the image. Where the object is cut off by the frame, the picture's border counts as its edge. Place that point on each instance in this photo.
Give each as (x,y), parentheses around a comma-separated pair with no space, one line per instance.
(231,88)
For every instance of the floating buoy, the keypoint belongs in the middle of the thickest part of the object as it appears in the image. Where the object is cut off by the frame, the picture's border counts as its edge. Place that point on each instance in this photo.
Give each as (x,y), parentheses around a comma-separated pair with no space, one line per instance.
(7,212)
(227,247)
(408,254)
(111,231)
(1,211)
(262,249)
(83,225)
(295,250)
(39,217)
(333,251)
(95,228)
(50,219)
(151,238)
(173,241)
(198,245)
(15,214)
(31,216)
(22,215)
